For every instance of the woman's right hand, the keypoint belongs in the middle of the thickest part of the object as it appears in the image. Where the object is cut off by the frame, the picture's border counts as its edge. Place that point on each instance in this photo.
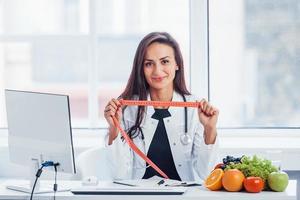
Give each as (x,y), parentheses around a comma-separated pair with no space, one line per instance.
(113,108)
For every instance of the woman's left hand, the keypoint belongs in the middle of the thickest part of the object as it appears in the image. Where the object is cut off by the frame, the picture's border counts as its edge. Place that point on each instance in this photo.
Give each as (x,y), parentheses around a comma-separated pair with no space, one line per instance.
(208,117)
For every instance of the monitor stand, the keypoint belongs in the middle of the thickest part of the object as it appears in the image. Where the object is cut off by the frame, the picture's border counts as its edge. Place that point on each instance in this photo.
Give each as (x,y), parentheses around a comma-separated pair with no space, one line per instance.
(27,186)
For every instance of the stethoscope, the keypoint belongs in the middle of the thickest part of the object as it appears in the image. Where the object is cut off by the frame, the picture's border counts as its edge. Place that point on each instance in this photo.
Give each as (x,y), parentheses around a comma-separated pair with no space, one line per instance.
(185,139)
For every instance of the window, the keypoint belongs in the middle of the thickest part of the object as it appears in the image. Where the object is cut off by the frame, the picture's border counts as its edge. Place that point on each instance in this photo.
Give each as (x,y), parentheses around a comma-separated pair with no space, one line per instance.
(243,55)
(44,47)
(254,62)
(83,48)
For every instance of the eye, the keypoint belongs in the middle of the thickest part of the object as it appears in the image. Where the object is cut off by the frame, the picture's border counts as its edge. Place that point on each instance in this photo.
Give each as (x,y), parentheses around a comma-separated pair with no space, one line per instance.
(165,61)
(148,64)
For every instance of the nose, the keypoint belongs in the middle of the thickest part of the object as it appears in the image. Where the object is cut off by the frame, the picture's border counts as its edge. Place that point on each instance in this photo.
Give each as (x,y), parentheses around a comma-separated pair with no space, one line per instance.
(157,68)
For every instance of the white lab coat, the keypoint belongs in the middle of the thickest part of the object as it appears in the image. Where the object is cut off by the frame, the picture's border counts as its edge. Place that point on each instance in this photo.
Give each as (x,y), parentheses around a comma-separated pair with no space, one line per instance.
(192,161)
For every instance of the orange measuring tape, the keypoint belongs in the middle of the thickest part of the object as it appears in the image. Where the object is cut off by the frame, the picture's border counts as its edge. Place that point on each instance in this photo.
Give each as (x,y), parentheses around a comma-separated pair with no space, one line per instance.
(149,103)
(160,103)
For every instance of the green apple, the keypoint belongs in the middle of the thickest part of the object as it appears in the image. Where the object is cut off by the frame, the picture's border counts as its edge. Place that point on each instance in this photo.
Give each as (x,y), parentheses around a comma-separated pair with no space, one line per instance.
(278,181)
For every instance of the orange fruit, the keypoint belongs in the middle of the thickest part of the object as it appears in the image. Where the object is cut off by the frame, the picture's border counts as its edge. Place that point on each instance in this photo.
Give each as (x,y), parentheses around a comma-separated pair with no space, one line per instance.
(232,180)
(214,180)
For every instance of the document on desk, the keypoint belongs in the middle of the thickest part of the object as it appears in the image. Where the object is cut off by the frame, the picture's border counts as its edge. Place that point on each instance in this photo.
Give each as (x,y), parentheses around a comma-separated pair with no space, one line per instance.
(141,182)
(156,182)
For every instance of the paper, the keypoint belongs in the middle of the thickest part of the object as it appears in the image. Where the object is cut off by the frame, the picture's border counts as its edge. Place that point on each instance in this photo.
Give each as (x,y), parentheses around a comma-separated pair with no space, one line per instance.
(156,181)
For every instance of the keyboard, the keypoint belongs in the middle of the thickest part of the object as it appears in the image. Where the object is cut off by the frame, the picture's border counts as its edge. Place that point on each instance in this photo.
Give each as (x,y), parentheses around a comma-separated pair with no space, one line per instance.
(128,190)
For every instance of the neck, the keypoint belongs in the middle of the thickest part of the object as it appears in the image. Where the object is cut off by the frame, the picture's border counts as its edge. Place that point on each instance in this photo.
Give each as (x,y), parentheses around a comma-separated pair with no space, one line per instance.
(165,94)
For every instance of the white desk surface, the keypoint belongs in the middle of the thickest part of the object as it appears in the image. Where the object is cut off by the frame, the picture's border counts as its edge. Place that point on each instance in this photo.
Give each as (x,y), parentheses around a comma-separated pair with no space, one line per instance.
(192,193)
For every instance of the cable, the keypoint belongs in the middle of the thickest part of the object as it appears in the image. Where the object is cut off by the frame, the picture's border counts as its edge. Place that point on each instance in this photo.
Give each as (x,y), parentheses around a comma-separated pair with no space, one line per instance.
(37,175)
(39,172)
(55,179)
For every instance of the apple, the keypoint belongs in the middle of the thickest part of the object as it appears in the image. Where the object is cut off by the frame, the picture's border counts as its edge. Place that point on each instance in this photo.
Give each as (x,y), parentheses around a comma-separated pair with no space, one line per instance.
(278,181)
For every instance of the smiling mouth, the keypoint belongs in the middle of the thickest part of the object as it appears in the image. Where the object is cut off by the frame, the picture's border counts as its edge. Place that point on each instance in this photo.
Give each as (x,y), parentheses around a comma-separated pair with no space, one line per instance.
(158,78)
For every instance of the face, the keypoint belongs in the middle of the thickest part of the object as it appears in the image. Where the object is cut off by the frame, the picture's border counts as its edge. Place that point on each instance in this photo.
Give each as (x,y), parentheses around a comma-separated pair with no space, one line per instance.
(160,66)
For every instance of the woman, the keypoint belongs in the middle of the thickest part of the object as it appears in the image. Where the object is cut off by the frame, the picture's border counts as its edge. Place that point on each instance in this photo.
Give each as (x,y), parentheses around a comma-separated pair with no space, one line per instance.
(178,140)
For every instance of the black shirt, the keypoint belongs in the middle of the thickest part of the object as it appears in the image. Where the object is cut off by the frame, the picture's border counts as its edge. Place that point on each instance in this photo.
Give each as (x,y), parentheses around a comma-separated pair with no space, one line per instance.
(159,150)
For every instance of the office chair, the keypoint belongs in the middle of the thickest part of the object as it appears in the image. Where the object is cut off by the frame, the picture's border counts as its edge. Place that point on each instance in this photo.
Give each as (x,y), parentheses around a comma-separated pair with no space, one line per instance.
(92,162)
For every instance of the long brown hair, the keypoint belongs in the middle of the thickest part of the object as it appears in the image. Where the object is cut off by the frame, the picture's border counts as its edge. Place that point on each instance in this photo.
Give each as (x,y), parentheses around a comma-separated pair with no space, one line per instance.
(137,84)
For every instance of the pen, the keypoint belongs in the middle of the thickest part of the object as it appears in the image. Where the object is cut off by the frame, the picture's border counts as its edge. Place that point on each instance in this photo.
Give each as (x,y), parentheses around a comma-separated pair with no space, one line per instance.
(183,184)
(120,183)
(161,182)
(191,184)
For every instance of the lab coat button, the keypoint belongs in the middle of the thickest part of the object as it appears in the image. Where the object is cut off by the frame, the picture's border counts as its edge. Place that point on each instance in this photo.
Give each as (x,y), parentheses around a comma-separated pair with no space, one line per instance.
(168,120)
(179,165)
(174,143)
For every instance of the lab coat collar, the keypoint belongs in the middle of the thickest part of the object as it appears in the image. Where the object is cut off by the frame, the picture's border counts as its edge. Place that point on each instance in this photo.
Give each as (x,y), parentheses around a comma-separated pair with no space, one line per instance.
(150,124)
(176,97)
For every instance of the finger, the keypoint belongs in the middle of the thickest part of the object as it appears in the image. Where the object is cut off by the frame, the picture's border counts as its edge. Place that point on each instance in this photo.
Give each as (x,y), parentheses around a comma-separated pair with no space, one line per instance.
(117,102)
(111,113)
(107,115)
(108,118)
(216,112)
(202,104)
(211,110)
(110,108)
(199,107)
(113,104)
(208,108)
(106,108)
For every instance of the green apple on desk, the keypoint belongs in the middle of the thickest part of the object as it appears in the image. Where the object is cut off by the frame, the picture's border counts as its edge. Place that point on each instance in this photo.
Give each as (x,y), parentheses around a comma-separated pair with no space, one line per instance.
(278,181)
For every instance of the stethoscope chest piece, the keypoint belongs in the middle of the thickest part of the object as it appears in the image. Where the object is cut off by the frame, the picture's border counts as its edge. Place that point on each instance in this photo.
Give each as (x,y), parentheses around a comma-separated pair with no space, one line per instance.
(185,139)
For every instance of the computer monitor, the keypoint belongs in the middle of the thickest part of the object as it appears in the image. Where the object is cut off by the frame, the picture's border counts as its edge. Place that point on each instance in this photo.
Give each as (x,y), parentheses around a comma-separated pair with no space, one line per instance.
(39,129)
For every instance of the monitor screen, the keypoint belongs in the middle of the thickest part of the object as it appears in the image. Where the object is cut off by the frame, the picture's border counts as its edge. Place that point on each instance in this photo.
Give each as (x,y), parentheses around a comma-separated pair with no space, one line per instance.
(39,127)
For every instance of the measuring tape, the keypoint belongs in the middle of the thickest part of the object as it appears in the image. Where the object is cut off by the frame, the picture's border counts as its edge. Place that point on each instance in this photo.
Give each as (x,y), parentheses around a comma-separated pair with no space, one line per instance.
(149,103)
(160,103)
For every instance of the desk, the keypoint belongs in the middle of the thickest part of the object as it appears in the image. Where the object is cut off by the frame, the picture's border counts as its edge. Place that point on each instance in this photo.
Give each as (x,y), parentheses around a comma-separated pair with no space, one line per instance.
(193,193)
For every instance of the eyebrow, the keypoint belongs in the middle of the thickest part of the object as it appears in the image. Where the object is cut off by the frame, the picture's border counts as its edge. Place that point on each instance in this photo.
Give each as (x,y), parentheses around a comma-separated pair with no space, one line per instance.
(159,59)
